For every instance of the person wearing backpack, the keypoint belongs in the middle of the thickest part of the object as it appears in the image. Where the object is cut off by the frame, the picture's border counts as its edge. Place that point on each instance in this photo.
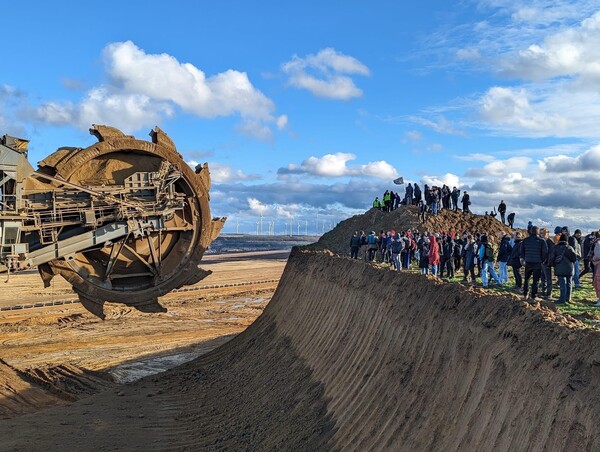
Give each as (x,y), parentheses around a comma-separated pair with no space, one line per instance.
(504,251)
(563,258)
(487,255)
(515,261)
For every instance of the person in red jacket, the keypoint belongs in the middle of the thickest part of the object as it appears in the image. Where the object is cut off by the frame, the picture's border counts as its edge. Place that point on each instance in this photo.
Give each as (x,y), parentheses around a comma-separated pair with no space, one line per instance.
(434,254)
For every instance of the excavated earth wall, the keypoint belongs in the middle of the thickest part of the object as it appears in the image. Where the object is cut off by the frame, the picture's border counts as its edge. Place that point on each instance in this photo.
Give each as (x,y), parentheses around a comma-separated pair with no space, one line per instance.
(350,357)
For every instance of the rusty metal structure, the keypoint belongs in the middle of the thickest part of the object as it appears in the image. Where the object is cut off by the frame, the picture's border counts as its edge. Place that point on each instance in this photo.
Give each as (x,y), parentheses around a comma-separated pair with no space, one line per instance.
(123,220)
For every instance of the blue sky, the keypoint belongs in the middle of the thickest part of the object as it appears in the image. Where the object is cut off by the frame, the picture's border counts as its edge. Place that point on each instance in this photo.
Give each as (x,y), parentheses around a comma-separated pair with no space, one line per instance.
(307,111)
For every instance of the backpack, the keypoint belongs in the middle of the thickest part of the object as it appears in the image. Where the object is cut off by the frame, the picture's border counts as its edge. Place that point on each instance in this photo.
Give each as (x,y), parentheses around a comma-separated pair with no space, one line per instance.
(488,254)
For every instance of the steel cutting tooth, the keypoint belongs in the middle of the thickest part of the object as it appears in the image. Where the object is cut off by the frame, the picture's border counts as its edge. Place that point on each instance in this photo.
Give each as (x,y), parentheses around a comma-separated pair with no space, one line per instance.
(96,307)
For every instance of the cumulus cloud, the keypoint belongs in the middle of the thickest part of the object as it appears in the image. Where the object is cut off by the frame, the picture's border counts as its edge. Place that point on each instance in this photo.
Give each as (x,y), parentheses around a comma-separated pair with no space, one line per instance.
(511,109)
(557,189)
(449,179)
(335,165)
(588,161)
(326,74)
(224,173)
(143,88)
(573,50)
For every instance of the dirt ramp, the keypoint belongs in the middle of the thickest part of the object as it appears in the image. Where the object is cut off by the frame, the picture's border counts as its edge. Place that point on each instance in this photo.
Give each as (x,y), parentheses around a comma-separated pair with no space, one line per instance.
(350,357)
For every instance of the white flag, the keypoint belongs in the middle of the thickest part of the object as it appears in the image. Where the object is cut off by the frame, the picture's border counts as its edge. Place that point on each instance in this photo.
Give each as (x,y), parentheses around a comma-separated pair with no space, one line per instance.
(399,181)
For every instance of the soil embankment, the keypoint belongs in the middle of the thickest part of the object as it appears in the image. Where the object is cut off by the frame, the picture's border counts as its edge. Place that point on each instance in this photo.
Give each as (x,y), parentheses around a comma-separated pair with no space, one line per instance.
(348,356)
(403,218)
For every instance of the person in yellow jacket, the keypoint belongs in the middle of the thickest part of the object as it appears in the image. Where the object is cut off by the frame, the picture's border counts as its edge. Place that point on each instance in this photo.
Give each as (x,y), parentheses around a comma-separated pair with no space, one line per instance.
(377,203)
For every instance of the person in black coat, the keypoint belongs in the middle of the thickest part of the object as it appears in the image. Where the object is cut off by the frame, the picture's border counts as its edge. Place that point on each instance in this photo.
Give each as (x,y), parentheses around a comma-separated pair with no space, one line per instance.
(502,210)
(354,245)
(466,202)
(511,220)
(563,259)
(534,251)
(546,278)
(515,260)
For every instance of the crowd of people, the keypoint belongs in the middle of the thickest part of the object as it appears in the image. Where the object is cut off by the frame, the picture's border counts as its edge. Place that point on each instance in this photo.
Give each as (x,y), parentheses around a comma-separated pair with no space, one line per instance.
(432,199)
(537,261)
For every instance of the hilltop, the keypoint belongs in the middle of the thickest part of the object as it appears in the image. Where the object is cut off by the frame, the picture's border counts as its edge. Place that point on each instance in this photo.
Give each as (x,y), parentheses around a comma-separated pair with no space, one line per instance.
(403,218)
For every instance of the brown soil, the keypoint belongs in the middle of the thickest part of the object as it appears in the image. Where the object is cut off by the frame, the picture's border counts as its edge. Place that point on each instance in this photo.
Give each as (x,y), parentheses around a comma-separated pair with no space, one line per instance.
(58,354)
(401,219)
(348,356)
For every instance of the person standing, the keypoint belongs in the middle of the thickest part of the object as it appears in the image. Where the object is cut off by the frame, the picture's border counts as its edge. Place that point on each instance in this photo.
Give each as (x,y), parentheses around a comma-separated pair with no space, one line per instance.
(534,251)
(502,210)
(354,245)
(455,195)
(585,253)
(515,261)
(546,277)
(435,201)
(466,202)
(562,258)
(377,203)
(470,254)
(434,254)
(577,248)
(595,258)
(504,251)
(487,255)
(424,255)
(417,194)
(448,256)
(396,249)
(372,246)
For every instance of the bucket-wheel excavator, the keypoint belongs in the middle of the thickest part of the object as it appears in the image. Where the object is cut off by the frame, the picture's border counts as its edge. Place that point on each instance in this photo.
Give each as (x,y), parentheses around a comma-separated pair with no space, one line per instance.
(123,220)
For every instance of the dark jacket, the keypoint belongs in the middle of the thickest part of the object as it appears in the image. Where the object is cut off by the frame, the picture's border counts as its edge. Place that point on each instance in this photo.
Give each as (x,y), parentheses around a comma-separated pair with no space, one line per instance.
(534,250)
(504,249)
(550,244)
(354,241)
(515,254)
(562,259)
(470,253)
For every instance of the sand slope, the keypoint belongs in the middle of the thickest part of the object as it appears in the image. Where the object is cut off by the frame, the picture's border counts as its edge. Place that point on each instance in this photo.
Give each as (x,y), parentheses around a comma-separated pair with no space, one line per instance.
(347,356)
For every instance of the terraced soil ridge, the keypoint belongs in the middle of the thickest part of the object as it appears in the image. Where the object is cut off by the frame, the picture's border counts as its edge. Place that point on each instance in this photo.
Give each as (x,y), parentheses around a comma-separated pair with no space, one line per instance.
(350,357)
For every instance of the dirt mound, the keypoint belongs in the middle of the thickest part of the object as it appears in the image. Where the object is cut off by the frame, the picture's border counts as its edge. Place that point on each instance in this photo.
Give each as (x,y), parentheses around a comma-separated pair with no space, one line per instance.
(401,219)
(28,391)
(348,356)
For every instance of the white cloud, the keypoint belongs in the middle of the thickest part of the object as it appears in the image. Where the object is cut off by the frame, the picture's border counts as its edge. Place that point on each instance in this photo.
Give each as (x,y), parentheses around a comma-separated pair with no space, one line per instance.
(511,109)
(413,135)
(438,123)
(335,165)
(223,173)
(326,74)
(475,157)
(571,51)
(587,161)
(143,88)
(449,179)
